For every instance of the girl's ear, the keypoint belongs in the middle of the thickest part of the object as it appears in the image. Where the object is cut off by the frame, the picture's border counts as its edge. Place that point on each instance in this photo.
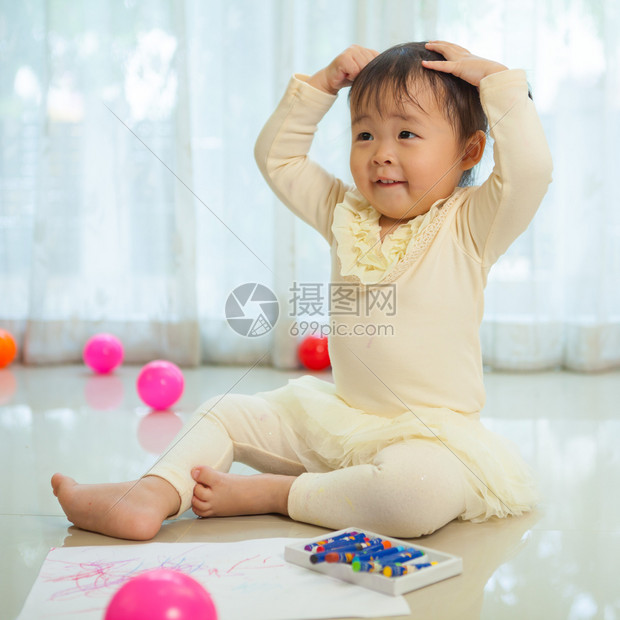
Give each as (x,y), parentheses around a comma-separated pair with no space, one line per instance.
(474,148)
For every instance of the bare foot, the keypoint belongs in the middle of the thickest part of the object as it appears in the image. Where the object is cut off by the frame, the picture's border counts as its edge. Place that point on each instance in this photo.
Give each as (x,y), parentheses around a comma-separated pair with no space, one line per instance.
(223,495)
(133,510)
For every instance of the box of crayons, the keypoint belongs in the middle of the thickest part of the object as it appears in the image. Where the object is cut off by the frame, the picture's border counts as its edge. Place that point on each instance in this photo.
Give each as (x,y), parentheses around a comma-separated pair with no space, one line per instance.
(380,563)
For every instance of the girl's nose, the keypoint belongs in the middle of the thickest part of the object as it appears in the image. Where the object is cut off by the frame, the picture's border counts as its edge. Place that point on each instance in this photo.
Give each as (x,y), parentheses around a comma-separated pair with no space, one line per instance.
(382,155)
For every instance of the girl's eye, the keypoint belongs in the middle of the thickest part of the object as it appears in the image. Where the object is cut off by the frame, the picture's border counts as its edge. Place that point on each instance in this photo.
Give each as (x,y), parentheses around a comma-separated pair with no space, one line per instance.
(364,136)
(406,135)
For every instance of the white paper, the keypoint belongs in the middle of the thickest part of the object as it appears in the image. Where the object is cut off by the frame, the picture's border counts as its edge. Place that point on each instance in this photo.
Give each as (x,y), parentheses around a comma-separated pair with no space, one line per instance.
(248,579)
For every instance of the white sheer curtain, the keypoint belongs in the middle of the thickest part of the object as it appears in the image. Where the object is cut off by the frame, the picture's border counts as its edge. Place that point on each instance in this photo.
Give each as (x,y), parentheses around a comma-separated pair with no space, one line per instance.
(130,201)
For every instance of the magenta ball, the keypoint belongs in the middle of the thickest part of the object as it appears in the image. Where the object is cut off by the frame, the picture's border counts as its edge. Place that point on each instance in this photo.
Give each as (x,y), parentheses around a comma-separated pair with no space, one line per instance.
(103,353)
(160,384)
(161,594)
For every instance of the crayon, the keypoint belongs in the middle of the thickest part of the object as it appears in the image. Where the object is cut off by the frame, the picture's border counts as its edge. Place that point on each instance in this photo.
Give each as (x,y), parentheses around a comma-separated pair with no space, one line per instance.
(371,543)
(311,546)
(370,554)
(346,556)
(373,566)
(353,549)
(340,557)
(357,543)
(405,556)
(396,570)
(382,554)
(358,539)
(315,558)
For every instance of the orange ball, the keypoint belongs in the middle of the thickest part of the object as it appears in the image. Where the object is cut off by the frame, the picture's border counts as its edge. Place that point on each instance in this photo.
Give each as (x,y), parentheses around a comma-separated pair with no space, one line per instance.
(8,348)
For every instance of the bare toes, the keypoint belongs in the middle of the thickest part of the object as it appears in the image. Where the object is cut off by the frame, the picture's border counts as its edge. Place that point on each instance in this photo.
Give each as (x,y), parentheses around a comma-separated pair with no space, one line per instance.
(203,493)
(201,508)
(202,500)
(205,475)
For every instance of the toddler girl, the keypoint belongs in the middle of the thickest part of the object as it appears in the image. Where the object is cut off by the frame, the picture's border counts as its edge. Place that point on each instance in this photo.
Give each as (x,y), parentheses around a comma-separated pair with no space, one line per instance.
(395,444)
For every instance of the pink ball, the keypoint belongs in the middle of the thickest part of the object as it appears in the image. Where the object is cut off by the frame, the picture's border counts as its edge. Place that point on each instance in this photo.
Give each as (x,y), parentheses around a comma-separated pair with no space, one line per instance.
(161,594)
(103,353)
(160,384)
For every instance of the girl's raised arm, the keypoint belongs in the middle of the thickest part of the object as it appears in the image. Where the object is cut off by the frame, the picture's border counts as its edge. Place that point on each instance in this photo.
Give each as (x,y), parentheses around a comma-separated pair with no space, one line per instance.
(504,205)
(281,150)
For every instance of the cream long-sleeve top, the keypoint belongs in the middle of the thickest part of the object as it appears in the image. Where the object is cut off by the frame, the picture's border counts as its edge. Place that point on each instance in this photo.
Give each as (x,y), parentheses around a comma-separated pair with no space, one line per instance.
(424,283)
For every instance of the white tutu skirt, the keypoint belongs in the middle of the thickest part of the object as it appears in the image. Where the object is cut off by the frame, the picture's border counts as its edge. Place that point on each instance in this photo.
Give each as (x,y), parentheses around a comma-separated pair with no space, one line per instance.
(335,435)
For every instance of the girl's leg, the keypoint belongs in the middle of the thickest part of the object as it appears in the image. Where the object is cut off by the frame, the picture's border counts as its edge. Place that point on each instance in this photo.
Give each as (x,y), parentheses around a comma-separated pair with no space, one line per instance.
(238,427)
(411,489)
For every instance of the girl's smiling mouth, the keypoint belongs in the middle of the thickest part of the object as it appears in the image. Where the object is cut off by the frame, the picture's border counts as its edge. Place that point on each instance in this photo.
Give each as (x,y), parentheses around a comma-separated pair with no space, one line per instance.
(382,181)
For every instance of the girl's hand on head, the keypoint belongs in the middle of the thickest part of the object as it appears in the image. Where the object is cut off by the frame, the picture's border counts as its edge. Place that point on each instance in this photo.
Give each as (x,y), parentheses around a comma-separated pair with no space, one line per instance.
(461,62)
(342,70)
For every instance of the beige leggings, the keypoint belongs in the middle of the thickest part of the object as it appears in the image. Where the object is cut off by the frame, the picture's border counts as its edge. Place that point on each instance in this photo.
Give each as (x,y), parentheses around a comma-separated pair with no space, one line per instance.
(409,489)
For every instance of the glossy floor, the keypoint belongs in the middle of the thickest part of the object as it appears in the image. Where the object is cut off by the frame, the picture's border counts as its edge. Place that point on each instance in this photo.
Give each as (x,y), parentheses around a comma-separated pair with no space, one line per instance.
(559,562)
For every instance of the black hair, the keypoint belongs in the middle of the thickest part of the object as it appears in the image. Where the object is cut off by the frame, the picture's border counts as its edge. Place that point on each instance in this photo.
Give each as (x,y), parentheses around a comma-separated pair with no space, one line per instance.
(394,71)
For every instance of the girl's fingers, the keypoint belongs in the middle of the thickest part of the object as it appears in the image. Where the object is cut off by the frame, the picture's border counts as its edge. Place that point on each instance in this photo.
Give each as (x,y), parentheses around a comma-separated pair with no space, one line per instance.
(450,51)
(461,63)
(370,54)
(444,66)
(363,56)
(356,58)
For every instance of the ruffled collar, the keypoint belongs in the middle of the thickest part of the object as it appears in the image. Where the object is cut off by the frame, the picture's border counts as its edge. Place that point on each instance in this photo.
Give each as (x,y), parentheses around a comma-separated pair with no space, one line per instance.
(360,250)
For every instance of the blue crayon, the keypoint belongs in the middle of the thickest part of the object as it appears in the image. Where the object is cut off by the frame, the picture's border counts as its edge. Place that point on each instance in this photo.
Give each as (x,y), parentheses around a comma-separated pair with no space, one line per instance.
(397,570)
(358,541)
(311,546)
(315,558)
(352,549)
(320,556)
(369,543)
(344,556)
(369,554)
(405,556)
(383,555)
(359,566)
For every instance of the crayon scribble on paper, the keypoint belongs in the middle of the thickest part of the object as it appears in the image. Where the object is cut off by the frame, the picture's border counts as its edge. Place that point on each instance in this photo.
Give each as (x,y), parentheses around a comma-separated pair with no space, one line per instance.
(245,579)
(99,578)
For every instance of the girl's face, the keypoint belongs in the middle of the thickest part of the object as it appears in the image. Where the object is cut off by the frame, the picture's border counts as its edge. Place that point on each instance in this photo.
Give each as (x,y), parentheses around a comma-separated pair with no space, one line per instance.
(405,158)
